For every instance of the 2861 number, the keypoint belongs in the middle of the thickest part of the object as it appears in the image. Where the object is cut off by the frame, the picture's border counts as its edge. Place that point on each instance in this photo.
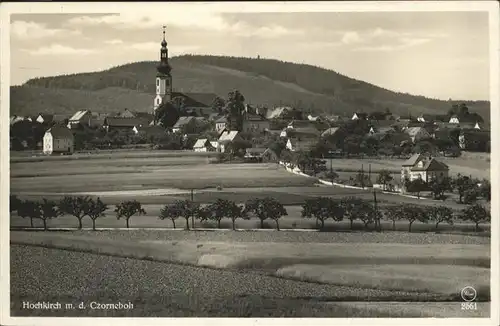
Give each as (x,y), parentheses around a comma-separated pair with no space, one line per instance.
(469,306)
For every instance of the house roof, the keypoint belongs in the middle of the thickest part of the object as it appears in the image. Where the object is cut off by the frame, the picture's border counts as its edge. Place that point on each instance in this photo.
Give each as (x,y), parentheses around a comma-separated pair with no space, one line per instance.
(382,130)
(413,160)
(276,112)
(196,99)
(15,119)
(183,121)
(78,115)
(360,115)
(124,122)
(253,117)
(152,130)
(431,165)
(413,131)
(202,142)
(228,136)
(256,150)
(60,132)
(222,119)
(46,117)
(312,132)
(302,143)
(302,124)
(330,131)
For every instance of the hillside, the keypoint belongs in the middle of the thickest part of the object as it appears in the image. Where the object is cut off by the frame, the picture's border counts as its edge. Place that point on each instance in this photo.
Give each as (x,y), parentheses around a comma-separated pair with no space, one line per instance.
(262,81)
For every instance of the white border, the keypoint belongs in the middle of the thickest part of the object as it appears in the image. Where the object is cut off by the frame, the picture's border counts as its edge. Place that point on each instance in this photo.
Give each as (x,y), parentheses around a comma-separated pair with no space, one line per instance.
(368,6)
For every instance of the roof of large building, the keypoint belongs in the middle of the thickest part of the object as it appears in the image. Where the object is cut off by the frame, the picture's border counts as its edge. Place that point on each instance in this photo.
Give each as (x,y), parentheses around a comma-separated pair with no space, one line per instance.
(124,122)
(413,131)
(78,115)
(183,121)
(60,132)
(228,136)
(431,165)
(278,111)
(413,160)
(202,142)
(330,131)
(196,99)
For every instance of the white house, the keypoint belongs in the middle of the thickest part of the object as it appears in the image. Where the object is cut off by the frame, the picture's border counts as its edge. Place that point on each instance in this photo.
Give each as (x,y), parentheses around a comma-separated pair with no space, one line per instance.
(58,140)
(423,167)
(203,145)
(359,116)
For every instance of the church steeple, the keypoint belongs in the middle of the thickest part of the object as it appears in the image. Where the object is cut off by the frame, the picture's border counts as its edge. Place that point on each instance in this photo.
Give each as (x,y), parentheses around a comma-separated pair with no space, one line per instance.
(164,68)
(163,76)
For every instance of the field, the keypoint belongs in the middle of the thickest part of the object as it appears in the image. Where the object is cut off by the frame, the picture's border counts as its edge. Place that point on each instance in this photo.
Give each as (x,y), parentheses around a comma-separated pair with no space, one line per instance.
(305,274)
(231,273)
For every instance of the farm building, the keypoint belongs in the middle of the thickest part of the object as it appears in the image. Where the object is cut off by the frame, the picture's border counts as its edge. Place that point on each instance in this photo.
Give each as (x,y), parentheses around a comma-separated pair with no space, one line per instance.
(203,145)
(133,124)
(423,167)
(417,133)
(80,118)
(301,143)
(183,122)
(58,140)
(226,138)
(254,123)
(260,155)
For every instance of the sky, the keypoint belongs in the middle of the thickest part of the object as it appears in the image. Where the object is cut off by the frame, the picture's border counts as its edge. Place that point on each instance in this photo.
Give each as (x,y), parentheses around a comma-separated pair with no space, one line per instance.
(436,54)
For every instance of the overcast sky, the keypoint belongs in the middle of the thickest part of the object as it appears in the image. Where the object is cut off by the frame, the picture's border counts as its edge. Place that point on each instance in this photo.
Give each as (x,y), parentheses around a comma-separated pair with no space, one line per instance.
(436,54)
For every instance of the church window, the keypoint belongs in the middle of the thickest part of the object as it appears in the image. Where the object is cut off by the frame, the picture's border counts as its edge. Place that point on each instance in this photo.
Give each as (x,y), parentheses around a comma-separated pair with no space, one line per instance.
(157,82)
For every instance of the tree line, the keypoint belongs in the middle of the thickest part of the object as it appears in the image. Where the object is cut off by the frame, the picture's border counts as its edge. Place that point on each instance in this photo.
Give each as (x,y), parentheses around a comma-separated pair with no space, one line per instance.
(320,208)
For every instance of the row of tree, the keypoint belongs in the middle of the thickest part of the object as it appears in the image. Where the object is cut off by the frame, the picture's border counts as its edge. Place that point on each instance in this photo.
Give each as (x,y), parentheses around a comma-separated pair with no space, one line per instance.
(320,208)
(352,209)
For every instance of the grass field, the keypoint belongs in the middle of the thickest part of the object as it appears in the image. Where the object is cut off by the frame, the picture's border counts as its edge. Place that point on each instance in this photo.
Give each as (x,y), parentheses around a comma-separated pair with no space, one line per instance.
(472,164)
(428,269)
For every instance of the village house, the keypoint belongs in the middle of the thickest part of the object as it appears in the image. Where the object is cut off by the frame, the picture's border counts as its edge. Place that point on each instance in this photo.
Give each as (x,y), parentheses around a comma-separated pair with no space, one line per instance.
(417,133)
(290,132)
(44,118)
(203,145)
(359,116)
(220,124)
(260,155)
(454,119)
(131,124)
(301,142)
(15,119)
(58,139)
(330,132)
(423,167)
(254,123)
(278,112)
(226,138)
(183,122)
(474,140)
(80,118)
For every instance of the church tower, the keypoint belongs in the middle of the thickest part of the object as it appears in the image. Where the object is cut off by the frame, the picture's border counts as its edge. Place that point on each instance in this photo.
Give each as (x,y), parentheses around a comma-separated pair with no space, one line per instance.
(163,77)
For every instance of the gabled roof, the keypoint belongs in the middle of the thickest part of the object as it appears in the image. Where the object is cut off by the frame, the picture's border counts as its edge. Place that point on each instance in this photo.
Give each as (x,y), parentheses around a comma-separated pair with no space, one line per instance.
(302,143)
(196,99)
(222,119)
(276,112)
(431,165)
(382,130)
(202,142)
(46,117)
(302,124)
(253,117)
(78,115)
(414,159)
(60,132)
(14,119)
(412,131)
(183,121)
(330,131)
(256,151)
(361,115)
(124,122)
(152,130)
(228,136)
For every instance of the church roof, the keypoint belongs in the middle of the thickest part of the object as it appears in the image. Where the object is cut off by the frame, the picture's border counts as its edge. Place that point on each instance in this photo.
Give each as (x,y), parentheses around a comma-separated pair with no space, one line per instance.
(196,99)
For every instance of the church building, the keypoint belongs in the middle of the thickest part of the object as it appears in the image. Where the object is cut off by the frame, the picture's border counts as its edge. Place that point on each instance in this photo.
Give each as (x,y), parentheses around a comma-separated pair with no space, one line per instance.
(193,104)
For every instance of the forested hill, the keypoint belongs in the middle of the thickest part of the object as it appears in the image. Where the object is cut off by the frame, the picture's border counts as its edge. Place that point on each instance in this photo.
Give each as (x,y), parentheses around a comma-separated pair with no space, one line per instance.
(262,81)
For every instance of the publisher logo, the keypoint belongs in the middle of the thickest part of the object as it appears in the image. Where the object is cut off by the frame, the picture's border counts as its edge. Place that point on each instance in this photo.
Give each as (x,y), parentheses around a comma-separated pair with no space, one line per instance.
(468,294)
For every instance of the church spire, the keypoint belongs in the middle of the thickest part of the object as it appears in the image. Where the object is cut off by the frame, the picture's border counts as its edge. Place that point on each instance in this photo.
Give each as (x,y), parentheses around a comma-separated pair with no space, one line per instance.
(164,67)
